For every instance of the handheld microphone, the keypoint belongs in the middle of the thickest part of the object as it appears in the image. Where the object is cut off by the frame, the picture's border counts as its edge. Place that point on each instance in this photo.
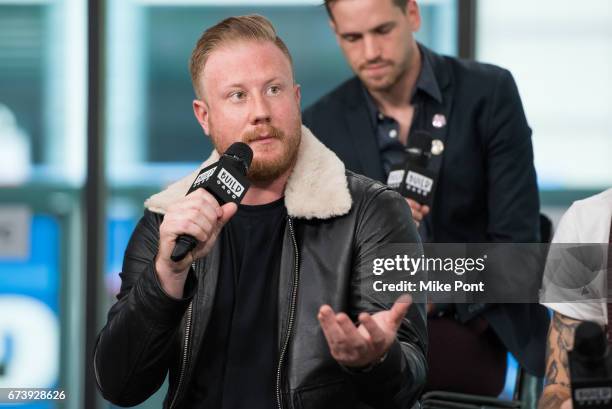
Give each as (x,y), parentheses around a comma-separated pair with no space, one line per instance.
(590,368)
(226,180)
(412,179)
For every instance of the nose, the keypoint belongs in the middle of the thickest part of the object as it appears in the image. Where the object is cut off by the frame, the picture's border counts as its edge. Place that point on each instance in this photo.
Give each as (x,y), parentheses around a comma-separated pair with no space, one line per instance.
(260,110)
(371,48)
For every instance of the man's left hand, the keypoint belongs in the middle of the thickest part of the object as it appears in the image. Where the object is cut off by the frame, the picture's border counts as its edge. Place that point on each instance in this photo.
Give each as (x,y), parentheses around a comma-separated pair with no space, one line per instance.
(363,345)
(418,210)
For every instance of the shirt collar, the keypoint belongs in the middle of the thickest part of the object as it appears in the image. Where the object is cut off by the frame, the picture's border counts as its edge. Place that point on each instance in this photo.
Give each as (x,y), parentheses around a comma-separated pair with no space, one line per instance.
(426,83)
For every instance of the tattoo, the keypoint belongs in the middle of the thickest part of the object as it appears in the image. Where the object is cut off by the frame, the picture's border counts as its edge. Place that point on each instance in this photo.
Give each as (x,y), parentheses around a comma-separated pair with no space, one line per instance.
(551,401)
(560,341)
(552,371)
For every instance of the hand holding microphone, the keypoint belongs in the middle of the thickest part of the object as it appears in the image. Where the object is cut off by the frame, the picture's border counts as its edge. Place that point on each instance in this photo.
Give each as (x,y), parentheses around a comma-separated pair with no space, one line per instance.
(419,211)
(412,179)
(192,225)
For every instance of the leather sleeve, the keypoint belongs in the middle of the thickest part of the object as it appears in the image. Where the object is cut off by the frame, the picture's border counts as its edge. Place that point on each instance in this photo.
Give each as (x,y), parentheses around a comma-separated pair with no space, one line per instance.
(397,382)
(134,349)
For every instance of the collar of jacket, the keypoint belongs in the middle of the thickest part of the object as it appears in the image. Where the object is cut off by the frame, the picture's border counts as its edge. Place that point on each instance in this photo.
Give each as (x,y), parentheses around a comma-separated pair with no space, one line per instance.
(316,189)
(441,70)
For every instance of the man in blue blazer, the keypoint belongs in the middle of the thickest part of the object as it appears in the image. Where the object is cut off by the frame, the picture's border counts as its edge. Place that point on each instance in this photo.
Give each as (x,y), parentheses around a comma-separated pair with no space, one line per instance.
(482,152)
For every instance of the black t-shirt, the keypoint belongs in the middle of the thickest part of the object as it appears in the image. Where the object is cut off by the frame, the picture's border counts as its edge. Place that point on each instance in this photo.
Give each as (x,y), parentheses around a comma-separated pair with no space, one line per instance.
(236,367)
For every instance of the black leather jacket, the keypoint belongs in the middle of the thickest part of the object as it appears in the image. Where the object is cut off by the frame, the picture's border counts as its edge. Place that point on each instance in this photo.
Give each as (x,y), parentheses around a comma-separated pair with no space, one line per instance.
(149,333)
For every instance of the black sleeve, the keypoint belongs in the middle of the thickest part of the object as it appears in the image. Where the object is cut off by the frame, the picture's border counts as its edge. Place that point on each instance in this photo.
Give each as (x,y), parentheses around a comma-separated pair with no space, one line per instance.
(512,191)
(134,349)
(397,381)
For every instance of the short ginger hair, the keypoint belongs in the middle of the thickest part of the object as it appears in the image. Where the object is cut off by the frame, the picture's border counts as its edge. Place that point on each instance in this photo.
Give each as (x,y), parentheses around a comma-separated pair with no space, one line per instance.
(251,27)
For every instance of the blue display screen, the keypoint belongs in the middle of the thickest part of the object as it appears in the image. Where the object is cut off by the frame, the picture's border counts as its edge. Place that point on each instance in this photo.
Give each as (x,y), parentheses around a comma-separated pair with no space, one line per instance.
(30,313)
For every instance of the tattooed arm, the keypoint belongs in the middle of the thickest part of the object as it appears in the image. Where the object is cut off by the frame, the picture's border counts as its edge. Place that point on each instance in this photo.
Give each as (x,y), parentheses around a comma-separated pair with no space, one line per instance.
(560,340)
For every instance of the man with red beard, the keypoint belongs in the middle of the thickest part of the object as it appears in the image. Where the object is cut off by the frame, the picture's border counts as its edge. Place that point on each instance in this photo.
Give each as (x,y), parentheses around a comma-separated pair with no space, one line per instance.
(268,310)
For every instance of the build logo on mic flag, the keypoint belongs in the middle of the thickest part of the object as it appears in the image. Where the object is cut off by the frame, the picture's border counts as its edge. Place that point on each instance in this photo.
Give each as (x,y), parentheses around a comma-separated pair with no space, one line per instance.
(395,179)
(204,176)
(230,184)
(223,181)
(419,183)
(413,182)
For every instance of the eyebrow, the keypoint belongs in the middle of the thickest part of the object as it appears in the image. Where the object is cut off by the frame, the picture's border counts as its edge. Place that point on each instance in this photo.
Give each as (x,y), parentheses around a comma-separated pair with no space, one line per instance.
(240,85)
(273,79)
(386,24)
(233,85)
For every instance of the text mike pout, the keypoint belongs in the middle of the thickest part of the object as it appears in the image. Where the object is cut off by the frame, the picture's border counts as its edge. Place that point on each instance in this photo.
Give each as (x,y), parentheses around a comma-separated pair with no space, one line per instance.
(590,367)
(412,179)
(226,180)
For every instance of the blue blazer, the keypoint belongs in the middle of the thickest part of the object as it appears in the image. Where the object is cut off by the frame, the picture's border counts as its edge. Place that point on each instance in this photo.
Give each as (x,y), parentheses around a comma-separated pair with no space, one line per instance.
(487,189)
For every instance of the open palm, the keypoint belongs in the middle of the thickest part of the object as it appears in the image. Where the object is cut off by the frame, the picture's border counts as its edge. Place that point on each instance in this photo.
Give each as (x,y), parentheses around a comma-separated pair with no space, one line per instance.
(360,346)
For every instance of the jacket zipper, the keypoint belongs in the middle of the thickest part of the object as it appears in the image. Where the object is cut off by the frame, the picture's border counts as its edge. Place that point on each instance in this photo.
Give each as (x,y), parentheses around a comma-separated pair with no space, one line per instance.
(296,276)
(185,350)
(287,337)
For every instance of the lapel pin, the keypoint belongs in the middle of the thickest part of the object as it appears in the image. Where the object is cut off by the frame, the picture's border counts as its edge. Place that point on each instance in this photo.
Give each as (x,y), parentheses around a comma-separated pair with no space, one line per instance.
(439,121)
(437,147)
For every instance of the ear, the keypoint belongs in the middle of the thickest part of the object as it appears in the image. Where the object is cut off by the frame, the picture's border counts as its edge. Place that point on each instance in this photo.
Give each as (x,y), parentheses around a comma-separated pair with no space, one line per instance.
(298,94)
(200,110)
(414,15)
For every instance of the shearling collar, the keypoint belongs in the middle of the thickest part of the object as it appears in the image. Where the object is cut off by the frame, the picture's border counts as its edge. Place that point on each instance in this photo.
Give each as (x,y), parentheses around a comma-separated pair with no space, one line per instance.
(316,189)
